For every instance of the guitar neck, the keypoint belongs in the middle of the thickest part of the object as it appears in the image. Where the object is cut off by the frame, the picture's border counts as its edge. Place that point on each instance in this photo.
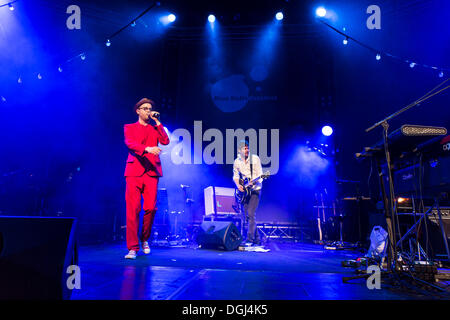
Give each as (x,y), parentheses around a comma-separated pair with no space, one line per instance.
(256,179)
(263,176)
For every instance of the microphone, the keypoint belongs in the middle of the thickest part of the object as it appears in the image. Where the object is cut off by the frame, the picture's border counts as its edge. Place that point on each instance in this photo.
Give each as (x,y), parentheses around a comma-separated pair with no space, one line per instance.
(155,114)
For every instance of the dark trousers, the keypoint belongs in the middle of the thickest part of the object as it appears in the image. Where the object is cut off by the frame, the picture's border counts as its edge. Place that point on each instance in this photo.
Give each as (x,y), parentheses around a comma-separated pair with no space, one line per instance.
(250,207)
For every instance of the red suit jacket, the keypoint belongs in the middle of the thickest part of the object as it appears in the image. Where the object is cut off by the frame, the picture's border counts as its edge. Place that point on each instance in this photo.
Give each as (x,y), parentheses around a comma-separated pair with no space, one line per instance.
(137,138)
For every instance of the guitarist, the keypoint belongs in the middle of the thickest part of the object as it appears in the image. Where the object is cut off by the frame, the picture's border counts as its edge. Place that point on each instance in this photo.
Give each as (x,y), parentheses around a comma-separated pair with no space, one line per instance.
(249,166)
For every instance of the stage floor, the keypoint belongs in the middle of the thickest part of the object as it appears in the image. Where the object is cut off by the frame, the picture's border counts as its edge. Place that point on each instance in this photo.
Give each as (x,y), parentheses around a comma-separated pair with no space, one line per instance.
(290,271)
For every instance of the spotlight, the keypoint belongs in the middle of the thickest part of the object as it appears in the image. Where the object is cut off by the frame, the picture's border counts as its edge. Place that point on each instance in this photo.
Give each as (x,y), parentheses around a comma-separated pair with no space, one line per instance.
(401,200)
(378,56)
(60,69)
(19,80)
(321,12)
(133,24)
(345,41)
(10,6)
(83,56)
(441,74)
(211,18)
(171,17)
(412,64)
(279,16)
(108,43)
(327,131)
(39,76)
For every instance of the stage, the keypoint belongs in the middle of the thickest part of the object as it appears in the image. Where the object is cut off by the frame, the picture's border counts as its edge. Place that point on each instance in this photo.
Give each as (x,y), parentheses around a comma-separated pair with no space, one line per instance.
(216,123)
(289,271)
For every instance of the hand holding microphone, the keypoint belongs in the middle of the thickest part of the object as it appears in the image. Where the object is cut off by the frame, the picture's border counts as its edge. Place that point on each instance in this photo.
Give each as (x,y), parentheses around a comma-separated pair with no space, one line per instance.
(154,115)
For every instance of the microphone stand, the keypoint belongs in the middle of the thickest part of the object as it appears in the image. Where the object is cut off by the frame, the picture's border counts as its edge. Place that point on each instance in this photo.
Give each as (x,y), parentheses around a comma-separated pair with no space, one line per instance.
(390,210)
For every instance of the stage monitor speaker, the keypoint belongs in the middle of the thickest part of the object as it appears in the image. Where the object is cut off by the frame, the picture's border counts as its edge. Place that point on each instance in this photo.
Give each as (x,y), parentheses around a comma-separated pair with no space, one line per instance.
(219,235)
(35,253)
(220,201)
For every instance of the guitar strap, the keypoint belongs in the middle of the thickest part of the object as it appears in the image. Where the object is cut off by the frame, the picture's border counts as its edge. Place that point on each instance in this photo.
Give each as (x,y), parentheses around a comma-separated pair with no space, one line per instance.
(251,167)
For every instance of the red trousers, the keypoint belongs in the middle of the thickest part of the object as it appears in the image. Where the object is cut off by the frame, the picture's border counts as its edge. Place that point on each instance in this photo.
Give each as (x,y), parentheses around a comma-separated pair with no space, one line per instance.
(146,187)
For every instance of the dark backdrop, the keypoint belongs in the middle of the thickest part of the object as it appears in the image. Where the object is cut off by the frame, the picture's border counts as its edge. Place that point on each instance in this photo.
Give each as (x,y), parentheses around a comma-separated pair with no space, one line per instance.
(62,136)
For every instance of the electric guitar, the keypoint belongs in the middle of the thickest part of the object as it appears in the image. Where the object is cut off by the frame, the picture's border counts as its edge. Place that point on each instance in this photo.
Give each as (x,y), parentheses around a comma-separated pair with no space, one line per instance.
(247,184)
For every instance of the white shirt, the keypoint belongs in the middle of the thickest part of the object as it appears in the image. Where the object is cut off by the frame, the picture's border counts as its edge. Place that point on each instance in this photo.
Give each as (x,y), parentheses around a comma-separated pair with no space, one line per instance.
(243,166)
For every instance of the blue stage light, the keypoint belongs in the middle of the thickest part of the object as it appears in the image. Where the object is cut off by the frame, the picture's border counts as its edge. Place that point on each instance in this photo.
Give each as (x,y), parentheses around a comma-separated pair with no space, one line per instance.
(279,16)
(171,17)
(378,56)
(165,19)
(321,12)
(327,131)
(10,7)
(108,43)
(345,41)
(211,18)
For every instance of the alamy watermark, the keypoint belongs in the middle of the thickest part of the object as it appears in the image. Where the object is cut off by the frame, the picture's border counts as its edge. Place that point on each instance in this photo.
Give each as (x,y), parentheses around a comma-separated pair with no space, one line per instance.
(74,280)
(221,149)
(74,20)
(374,20)
(374,280)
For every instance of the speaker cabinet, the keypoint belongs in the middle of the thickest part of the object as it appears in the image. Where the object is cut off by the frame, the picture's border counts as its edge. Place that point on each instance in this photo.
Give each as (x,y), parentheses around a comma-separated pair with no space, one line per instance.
(34,255)
(221,235)
(220,201)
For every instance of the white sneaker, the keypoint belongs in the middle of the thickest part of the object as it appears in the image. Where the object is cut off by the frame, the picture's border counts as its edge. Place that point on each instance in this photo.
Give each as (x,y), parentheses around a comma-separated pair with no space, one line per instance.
(145,247)
(131,255)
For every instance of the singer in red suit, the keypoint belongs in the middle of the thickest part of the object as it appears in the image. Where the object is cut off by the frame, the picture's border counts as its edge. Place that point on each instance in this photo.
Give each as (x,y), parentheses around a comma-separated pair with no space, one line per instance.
(142,173)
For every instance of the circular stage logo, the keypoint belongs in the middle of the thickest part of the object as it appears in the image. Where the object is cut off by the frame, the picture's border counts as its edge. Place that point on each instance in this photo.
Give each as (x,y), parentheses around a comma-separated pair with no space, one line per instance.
(230,94)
